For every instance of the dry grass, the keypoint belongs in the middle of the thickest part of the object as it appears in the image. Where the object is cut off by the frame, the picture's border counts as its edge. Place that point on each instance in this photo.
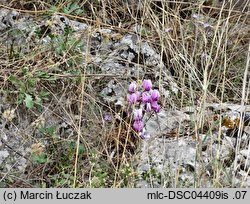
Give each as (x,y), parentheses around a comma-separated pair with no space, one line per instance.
(204,46)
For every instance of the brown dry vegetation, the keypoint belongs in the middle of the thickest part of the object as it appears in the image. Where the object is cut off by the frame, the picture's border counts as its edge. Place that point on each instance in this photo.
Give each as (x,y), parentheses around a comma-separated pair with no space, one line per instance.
(207,57)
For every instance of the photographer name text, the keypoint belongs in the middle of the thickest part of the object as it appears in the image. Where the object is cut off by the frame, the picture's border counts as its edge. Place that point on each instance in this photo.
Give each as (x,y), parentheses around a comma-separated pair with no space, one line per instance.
(45,195)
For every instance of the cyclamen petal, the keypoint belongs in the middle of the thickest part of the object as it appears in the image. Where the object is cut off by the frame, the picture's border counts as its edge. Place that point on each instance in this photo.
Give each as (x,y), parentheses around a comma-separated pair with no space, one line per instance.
(148,107)
(147,84)
(132,87)
(155,95)
(138,96)
(138,114)
(157,109)
(155,106)
(138,125)
(146,97)
(132,98)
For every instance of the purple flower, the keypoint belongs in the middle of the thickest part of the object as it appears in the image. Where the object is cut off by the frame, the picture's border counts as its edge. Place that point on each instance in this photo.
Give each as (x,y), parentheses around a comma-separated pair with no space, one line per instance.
(146,97)
(148,107)
(138,114)
(147,84)
(138,125)
(132,98)
(155,95)
(132,87)
(155,106)
(107,117)
(138,96)
(205,25)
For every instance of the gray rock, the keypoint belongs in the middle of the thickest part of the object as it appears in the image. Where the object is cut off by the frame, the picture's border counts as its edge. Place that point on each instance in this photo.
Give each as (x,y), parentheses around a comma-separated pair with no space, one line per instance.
(140,47)
(117,56)
(3,154)
(164,121)
(114,93)
(60,22)
(8,18)
(245,153)
(244,159)
(161,154)
(242,179)
(165,156)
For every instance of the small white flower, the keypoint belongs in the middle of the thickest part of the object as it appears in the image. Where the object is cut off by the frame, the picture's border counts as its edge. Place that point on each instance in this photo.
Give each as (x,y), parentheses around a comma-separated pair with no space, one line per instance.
(9,115)
(195,16)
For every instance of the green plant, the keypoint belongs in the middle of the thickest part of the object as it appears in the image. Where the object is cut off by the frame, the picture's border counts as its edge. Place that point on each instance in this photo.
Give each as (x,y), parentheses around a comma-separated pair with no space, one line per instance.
(50,131)
(66,43)
(27,91)
(41,159)
(73,9)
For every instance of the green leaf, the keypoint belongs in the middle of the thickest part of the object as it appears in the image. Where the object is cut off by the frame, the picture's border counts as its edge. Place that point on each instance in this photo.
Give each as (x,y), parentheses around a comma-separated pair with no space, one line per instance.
(29,101)
(51,130)
(42,74)
(13,79)
(38,101)
(3,184)
(52,10)
(44,95)
(66,10)
(73,9)
(48,131)
(41,159)
(81,149)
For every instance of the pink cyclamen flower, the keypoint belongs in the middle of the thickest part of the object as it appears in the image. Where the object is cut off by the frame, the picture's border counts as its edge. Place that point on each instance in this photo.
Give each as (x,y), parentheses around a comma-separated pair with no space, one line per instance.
(148,107)
(138,114)
(138,125)
(132,87)
(132,98)
(155,95)
(155,106)
(146,97)
(138,96)
(147,84)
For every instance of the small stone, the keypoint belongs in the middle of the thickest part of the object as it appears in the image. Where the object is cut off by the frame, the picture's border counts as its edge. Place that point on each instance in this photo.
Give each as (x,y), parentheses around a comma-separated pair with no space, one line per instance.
(3,154)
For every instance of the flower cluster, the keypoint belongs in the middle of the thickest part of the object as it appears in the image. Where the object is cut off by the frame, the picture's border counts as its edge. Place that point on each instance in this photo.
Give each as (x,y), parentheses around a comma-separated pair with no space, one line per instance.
(144,100)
